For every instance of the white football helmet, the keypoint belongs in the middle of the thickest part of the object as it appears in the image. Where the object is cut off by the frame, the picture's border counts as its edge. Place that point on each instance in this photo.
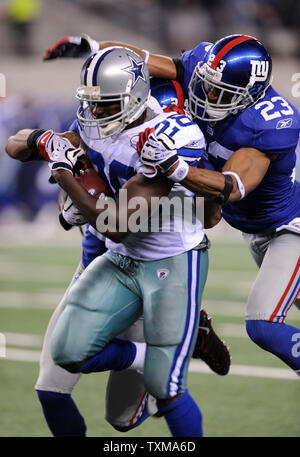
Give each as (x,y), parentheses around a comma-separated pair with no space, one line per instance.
(113,75)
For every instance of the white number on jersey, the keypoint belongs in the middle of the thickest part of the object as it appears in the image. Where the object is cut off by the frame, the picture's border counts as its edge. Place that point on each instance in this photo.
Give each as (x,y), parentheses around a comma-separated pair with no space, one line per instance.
(296,346)
(267,113)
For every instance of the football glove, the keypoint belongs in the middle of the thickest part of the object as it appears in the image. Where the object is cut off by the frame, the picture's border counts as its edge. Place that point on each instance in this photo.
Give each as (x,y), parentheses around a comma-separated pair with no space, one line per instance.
(70,215)
(63,155)
(69,46)
(37,142)
(158,151)
(147,170)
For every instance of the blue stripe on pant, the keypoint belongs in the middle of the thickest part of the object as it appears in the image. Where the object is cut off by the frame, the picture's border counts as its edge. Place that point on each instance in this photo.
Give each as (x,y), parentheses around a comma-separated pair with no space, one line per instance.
(171,337)
(183,351)
(108,298)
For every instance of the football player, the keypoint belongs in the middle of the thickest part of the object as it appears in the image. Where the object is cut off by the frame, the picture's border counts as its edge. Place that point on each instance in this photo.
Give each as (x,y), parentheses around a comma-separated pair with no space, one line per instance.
(158,274)
(252,133)
(125,406)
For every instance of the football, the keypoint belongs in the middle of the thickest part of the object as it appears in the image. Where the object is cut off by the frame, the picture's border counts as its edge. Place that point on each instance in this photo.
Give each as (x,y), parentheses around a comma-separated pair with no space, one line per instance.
(93,183)
(88,178)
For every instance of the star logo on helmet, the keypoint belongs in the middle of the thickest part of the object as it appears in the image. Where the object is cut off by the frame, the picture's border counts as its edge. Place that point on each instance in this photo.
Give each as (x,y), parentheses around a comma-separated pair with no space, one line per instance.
(136,69)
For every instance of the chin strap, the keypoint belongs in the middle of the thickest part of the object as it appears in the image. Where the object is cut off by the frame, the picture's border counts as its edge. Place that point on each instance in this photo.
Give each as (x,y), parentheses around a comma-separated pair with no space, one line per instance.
(110,128)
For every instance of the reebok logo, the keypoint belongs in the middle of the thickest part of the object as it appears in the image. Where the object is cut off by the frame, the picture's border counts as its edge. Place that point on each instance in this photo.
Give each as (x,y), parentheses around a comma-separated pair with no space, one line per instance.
(284,123)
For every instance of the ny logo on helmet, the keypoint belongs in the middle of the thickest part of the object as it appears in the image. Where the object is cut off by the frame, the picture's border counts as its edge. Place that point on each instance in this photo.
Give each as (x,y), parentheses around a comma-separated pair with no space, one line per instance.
(260,69)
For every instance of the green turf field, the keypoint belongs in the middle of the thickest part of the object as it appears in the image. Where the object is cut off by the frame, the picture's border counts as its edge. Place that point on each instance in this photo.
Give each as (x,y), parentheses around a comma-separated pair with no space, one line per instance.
(260,397)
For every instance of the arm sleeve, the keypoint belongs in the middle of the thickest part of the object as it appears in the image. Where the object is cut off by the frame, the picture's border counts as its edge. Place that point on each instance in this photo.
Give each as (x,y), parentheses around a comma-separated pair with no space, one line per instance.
(271,137)
(179,70)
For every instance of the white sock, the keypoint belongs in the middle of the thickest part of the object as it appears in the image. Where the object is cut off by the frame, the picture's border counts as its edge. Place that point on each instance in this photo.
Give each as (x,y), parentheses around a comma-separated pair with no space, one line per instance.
(138,362)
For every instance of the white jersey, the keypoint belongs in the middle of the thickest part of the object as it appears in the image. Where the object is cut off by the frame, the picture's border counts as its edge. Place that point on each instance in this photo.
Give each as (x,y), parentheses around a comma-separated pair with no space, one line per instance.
(177,231)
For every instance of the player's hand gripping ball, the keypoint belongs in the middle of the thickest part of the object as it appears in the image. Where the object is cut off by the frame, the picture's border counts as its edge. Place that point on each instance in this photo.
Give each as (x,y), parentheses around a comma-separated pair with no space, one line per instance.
(96,186)
(93,183)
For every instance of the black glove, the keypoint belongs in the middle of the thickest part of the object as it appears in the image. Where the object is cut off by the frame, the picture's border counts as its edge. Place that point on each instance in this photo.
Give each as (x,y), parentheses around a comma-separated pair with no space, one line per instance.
(70,46)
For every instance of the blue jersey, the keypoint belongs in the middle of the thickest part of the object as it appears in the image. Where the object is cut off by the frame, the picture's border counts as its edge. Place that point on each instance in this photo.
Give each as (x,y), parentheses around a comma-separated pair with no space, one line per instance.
(271,125)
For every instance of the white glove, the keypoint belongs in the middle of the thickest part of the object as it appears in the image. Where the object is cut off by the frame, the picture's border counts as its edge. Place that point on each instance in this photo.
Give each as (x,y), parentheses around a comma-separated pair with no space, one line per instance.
(70,215)
(147,170)
(159,152)
(62,154)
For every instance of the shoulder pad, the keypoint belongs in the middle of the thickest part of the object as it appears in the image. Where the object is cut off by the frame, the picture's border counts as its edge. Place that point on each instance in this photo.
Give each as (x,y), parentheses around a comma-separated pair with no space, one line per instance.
(272,124)
(183,131)
(195,55)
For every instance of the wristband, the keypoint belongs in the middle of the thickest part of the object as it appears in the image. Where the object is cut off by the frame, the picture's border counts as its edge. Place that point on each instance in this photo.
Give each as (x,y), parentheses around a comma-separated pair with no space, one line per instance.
(224,195)
(34,155)
(94,45)
(34,143)
(33,137)
(147,55)
(181,171)
(239,182)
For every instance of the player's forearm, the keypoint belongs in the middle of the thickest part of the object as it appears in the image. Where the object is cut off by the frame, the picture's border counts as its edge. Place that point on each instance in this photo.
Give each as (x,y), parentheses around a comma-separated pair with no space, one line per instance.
(147,189)
(85,202)
(61,199)
(137,186)
(16,146)
(138,194)
(87,205)
(209,183)
(204,182)
(159,66)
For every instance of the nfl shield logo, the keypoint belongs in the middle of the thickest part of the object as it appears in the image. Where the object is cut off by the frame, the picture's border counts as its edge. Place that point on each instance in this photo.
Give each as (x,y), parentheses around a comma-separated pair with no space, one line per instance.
(163,273)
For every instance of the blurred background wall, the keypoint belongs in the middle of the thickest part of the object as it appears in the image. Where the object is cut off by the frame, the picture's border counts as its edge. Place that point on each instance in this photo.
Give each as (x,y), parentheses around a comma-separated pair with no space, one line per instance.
(41,94)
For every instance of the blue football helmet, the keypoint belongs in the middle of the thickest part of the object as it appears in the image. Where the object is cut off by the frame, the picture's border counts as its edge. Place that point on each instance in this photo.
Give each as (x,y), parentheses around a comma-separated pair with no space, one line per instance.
(235,73)
(167,92)
(111,76)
